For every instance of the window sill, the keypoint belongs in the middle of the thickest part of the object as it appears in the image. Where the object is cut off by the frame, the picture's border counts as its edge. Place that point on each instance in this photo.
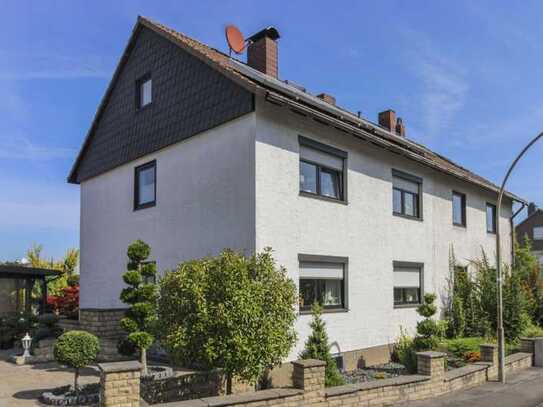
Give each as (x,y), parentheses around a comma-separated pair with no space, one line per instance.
(144,206)
(323,198)
(325,311)
(399,215)
(491,233)
(460,226)
(402,306)
(142,108)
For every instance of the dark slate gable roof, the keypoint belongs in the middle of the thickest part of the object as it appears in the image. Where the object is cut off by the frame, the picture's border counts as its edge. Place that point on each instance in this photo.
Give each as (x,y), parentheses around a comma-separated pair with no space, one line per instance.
(282,93)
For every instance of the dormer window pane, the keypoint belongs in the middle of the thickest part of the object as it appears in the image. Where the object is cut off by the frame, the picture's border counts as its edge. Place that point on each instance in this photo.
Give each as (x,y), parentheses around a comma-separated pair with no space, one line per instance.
(145,91)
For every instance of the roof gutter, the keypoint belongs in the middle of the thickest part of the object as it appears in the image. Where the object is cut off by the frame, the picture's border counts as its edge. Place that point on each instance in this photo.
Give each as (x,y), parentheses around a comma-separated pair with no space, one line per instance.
(363,132)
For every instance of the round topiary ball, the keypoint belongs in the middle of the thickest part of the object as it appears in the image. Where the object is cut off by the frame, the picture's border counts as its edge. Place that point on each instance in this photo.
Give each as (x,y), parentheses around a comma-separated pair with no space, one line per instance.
(76,349)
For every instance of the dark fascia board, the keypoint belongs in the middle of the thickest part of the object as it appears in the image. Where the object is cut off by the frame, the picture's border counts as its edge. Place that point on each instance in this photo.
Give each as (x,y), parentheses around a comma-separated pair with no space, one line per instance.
(14,271)
(140,23)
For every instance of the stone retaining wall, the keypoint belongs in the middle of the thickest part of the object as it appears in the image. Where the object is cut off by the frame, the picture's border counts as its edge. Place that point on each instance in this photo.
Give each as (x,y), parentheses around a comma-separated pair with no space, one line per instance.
(431,381)
(102,323)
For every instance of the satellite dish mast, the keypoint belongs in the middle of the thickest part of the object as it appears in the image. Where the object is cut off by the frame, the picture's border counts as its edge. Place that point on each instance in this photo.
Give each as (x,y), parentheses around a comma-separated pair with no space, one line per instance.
(235,39)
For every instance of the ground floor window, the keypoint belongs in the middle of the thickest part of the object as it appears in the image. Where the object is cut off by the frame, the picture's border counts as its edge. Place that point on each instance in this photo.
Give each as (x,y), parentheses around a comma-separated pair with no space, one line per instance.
(322,280)
(407,283)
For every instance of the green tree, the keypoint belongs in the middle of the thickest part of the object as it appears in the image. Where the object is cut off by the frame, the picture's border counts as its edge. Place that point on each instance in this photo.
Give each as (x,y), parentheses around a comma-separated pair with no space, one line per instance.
(76,349)
(515,310)
(317,347)
(230,311)
(526,266)
(141,295)
(457,320)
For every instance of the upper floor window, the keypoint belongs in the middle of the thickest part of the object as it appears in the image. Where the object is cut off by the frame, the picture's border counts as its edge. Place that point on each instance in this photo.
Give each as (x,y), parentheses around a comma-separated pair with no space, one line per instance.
(538,233)
(406,193)
(322,170)
(145,186)
(490,218)
(144,91)
(459,209)
(408,279)
(322,280)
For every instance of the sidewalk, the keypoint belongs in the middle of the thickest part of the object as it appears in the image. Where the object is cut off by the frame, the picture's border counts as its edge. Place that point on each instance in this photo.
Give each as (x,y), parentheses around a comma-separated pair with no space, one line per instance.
(523,389)
(23,385)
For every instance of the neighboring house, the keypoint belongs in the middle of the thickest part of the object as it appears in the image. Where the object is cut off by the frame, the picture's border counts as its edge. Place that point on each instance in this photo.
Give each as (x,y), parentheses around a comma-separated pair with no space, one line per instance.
(532,227)
(193,151)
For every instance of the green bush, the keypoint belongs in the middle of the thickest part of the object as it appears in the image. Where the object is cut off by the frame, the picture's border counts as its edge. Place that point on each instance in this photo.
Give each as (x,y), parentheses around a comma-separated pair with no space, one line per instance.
(532,331)
(73,280)
(317,347)
(231,312)
(404,352)
(76,349)
(460,346)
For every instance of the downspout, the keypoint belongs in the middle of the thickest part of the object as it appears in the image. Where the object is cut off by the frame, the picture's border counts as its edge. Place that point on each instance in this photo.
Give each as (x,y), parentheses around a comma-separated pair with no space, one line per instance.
(513,232)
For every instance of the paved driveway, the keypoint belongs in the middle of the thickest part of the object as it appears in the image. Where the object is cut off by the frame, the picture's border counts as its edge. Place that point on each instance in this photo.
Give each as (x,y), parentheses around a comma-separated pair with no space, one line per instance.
(22,385)
(523,389)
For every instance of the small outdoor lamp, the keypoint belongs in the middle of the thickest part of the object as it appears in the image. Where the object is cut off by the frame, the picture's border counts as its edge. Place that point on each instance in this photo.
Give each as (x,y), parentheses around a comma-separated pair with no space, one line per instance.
(26,341)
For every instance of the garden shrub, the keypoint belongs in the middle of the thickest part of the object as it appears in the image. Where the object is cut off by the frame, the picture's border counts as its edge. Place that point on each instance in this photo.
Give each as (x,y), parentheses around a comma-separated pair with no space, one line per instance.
(317,347)
(47,327)
(404,352)
(73,280)
(429,331)
(460,346)
(472,357)
(532,331)
(141,295)
(76,349)
(472,307)
(231,312)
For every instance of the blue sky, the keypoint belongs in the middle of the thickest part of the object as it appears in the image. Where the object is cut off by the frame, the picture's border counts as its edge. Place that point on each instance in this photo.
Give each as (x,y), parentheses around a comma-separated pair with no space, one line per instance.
(464,76)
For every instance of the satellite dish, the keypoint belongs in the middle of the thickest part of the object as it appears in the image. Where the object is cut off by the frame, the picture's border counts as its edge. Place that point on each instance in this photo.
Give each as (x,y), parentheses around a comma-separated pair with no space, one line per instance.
(235,39)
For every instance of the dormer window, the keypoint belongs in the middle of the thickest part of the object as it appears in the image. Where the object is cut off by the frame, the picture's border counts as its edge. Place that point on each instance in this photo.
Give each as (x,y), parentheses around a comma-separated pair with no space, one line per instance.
(144,88)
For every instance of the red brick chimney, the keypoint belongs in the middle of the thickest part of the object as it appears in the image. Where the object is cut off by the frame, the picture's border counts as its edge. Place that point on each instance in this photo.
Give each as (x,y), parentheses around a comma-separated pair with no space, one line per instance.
(400,128)
(262,51)
(327,98)
(388,120)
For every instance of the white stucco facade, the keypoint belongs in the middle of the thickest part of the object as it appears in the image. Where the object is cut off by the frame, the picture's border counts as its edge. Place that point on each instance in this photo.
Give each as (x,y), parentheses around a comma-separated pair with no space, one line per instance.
(237,186)
(365,230)
(204,203)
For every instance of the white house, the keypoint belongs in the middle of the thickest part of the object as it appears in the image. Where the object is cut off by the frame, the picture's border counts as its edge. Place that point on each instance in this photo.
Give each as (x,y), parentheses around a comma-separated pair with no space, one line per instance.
(193,152)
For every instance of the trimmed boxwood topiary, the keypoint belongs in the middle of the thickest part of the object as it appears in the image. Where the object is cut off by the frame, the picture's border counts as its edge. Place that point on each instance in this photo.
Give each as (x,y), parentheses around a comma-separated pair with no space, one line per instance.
(141,295)
(76,349)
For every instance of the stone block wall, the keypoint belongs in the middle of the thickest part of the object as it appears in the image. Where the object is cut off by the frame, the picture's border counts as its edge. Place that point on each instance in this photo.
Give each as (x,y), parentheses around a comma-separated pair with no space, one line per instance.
(102,323)
(431,381)
(120,384)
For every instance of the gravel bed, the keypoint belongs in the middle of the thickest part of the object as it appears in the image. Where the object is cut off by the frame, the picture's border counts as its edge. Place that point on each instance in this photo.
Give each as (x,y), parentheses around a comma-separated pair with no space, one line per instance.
(377,372)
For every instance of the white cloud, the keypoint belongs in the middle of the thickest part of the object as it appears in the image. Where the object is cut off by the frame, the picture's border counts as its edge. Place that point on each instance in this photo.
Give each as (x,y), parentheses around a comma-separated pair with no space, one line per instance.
(34,66)
(21,148)
(443,95)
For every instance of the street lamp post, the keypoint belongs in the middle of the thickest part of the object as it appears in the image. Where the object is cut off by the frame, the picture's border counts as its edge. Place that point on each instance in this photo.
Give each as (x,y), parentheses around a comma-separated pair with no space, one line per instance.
(501,338)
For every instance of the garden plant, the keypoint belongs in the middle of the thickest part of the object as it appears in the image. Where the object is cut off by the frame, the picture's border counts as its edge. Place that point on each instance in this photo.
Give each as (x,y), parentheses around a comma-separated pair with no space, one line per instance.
(141,295)
(230,312)
(317,347)
(76,349)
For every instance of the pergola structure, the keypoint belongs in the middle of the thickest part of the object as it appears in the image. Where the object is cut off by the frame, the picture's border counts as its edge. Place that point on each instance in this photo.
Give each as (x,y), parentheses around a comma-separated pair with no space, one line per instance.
(16,285)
